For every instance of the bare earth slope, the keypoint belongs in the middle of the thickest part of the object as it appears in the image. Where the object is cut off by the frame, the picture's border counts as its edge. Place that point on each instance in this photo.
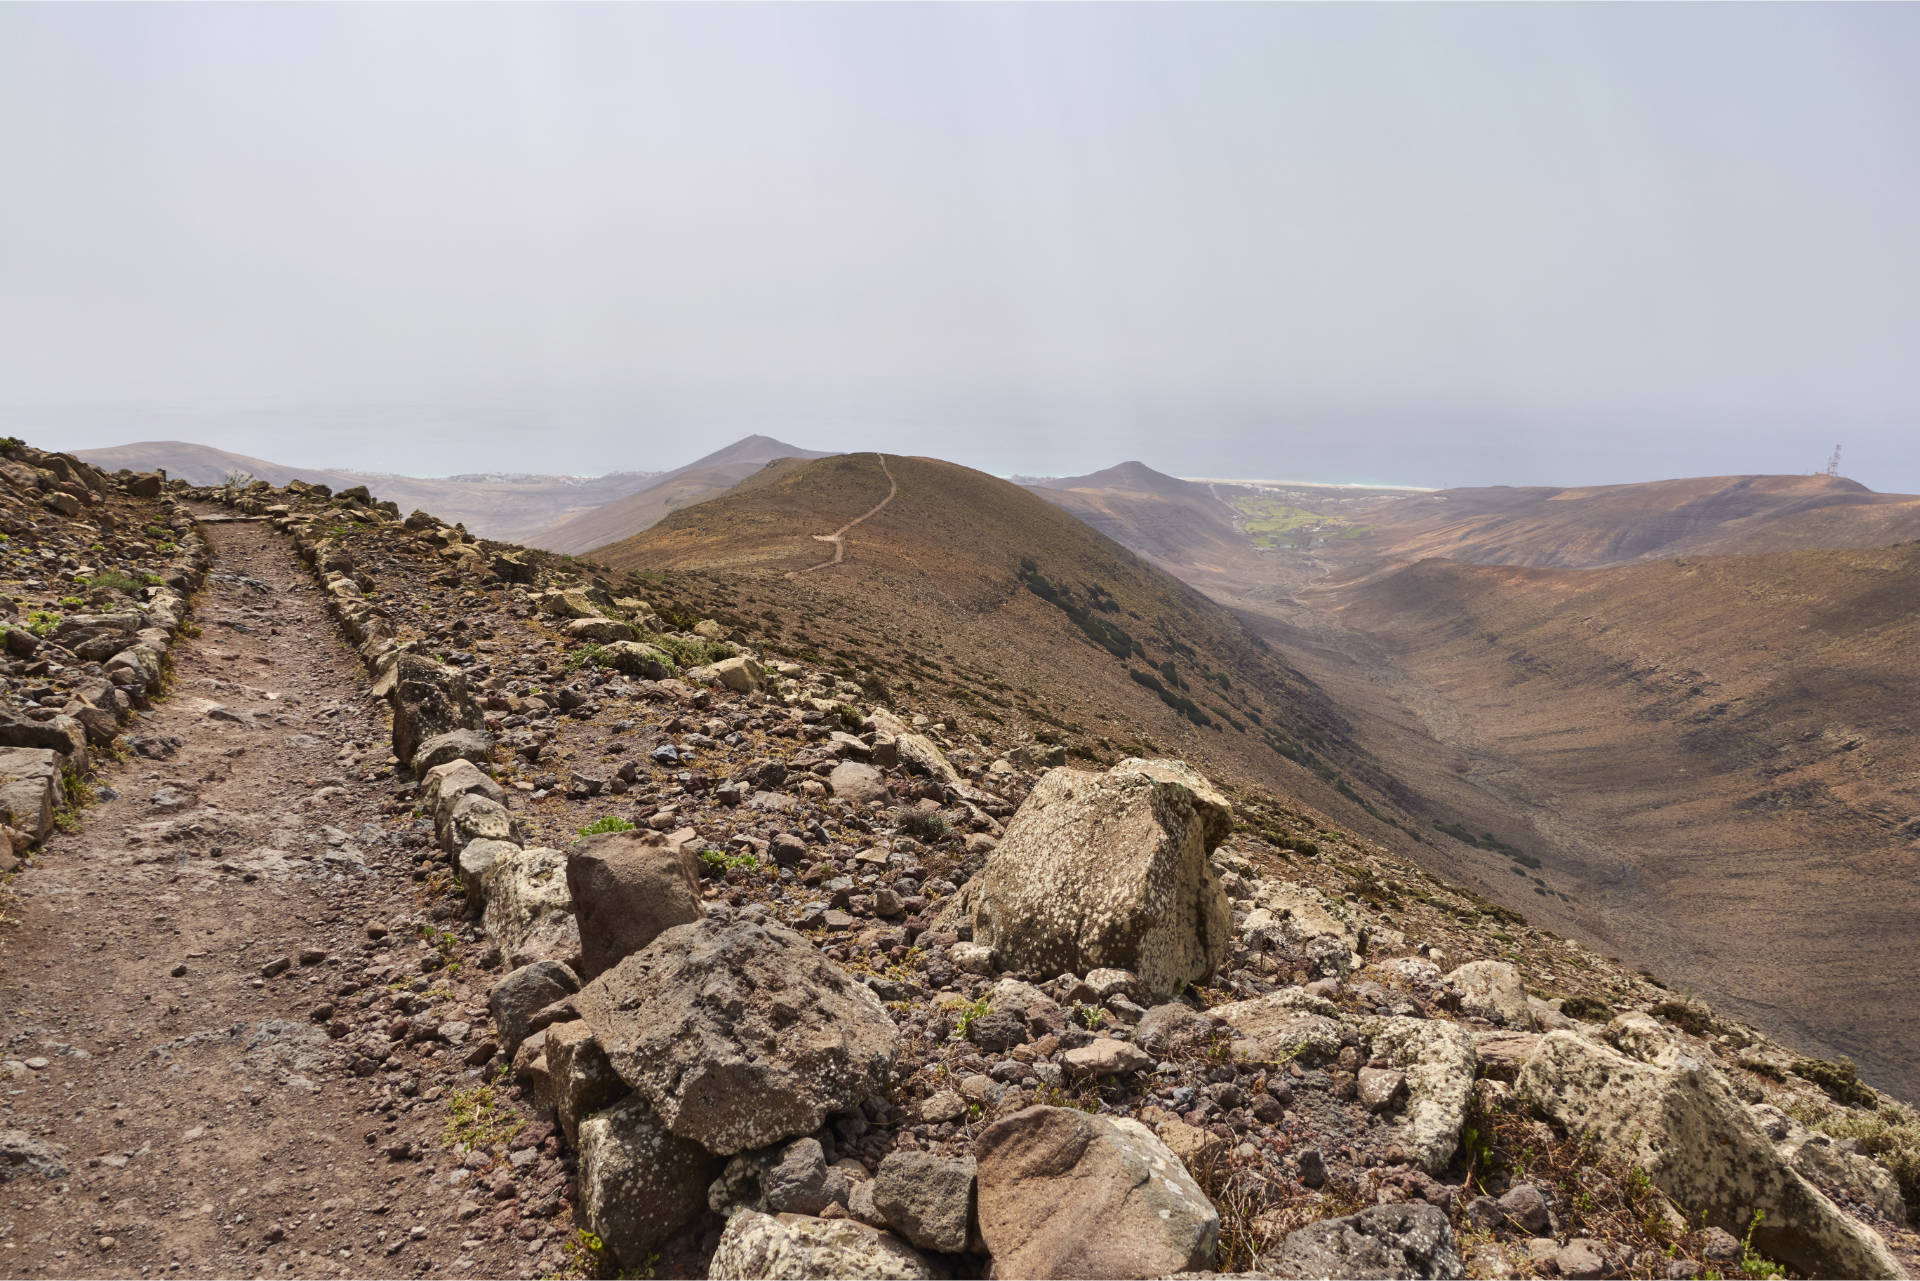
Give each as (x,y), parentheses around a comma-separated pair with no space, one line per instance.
(1736,736)
(696,482)
(1618,524)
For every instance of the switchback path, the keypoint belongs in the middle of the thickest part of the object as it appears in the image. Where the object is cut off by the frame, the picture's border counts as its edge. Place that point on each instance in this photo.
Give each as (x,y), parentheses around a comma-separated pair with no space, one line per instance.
(839,536)
(164,973)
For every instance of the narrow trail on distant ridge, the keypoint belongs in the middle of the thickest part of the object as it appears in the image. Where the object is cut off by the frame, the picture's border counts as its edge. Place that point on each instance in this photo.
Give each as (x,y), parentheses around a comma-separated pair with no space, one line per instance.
(839,536)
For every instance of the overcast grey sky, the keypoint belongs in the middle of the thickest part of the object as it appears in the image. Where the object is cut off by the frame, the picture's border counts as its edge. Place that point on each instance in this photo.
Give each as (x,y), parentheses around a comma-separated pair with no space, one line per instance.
(1432,244)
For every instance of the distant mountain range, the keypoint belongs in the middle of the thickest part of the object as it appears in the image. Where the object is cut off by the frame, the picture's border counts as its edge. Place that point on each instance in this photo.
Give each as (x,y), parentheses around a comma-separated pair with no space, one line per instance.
(556,513)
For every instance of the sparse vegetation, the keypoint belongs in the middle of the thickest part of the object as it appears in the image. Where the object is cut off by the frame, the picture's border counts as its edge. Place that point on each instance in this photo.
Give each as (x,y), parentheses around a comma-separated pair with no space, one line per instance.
(478,1119)
(721,861)
(1839,1079)
(610,823)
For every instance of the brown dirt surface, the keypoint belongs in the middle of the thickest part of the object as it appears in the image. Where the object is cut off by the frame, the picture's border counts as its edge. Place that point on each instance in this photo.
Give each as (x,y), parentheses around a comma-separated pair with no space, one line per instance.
(166,965)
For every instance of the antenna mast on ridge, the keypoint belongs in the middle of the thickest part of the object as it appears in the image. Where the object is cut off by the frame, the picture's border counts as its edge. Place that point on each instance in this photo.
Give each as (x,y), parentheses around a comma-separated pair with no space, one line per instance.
(1833,463)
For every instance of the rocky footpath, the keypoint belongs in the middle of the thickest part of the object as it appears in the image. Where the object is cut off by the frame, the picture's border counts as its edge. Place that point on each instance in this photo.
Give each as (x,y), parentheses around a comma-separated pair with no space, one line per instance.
(97,570)
(794,984)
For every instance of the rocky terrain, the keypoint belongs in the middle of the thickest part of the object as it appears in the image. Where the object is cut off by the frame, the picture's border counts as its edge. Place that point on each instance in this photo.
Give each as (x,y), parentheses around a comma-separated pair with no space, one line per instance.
(457,910)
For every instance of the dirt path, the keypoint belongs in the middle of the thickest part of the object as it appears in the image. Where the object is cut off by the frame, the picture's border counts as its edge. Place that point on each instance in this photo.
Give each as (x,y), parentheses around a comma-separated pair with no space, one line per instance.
(839,536)
(150,1026)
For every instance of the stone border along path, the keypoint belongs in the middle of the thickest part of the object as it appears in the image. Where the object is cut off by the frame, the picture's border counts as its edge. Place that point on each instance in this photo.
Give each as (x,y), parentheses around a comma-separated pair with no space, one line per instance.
(839,536)
(228,1050)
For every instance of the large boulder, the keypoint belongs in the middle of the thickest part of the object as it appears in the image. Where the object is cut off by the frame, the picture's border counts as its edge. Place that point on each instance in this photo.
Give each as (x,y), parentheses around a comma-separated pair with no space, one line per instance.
(428,700)
(740,1032)
(793,1247)
(1400,1241)
(30,789)
(454,745)
(857,782)
(926,1198)
(626,888)
(740,674)
(1492,990)
(639,1184)
(529,912)
(1437,1061)
(516,998)
(1679,1120)
(1063,1193)
(582,1080)
(1110,871)
(1282,1026)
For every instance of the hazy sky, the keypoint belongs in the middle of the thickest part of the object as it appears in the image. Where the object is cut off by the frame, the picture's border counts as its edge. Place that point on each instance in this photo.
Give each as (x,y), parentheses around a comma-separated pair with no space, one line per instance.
(1431,244)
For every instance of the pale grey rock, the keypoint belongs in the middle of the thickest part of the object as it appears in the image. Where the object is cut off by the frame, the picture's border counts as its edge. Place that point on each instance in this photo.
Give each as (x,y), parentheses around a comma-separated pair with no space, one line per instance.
(1679,1120)
(529,913)
(1404,1240)
(793,1247)
(1438,1063)
(1109,871)
(1492,990)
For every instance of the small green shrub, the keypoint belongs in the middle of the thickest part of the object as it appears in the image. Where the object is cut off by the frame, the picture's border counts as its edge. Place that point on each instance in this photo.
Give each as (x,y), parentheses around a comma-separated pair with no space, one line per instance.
(42,622)
(970,1014)
(116,580)
(721,861)
(586,655)
(922,827)
(1838,1078)
(1685,1016)
(1586,1009)
(611,823)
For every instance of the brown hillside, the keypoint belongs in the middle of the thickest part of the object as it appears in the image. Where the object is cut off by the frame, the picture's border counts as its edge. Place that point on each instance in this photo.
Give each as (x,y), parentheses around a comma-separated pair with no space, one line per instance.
(1720,756)
(695,483)
(968,588)
(1619,524)
(1174,522)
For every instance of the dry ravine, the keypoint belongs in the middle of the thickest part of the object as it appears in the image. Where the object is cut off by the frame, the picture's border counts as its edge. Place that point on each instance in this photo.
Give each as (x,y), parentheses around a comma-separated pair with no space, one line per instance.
(455,911)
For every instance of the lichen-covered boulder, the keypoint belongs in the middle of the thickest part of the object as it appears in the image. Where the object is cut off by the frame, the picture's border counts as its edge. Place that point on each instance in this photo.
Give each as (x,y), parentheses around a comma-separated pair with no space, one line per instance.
(1492,990)
(30,789)
(639,1183)
(1679,1120)
(739,1032)
(428,700)
(1062,1193)
(793,1247)
(580,1078)
(626,888)
(1110,871)
(1282,1026)
(1437,1062)
(529,912)
(1399,1241)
